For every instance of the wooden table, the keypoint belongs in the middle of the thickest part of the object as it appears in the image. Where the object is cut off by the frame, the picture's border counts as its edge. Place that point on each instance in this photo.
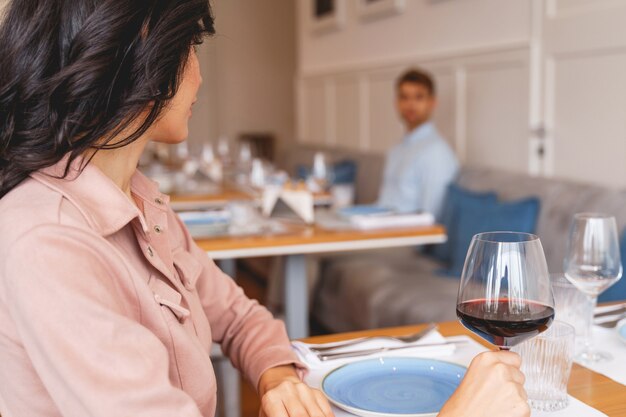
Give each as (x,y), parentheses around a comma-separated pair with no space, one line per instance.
(301,241)
(226,194)
(589,387)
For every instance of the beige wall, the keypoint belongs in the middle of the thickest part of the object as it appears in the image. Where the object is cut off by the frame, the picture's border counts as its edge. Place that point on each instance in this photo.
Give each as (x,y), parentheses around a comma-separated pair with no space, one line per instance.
(203,124)
(477,50)
(425,27)
(248,71)
(532,86)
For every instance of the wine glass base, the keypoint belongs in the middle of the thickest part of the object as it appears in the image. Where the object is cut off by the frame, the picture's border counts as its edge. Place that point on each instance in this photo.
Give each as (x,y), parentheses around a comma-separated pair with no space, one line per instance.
(593,357)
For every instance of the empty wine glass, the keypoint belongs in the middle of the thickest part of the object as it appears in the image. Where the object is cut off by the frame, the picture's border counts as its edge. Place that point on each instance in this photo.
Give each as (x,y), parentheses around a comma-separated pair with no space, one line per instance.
(210,166)
(207,154)
(505,295)
(245,153)
(593,264)
(223,149)
(257,173)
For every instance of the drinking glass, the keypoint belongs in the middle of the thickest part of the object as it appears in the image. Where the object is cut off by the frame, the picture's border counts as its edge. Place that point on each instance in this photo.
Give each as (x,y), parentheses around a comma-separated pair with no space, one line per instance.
(571,306)
(245,153)
(593,264)
(505,295)
(546,363)
(322,172)
(257,173)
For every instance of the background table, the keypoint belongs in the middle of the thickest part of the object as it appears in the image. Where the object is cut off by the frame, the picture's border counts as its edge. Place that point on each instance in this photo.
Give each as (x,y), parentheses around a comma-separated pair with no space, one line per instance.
(591,388)
(302,240)
(226,193)
(219,199)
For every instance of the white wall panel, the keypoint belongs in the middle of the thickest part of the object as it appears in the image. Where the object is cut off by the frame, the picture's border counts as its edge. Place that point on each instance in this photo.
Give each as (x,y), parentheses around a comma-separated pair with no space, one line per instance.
(445,114)
(584,45)
(533,86)
(589,126)
(497,117)
(356,109)
(425,27)
(585,25)
(347,105)
(561,7)
(385,128)
(313,113)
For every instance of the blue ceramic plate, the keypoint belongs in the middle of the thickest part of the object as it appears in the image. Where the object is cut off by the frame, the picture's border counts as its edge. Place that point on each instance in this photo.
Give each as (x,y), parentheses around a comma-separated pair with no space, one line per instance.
(393,386)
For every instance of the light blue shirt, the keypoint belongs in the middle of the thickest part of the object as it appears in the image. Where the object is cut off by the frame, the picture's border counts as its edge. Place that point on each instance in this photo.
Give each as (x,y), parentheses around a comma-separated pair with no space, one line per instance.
(418,171)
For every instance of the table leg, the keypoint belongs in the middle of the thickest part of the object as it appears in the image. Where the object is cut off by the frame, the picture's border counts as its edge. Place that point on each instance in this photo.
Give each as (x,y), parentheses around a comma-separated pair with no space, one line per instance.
(229,404)
(228,266)
(229,391)
(296,297)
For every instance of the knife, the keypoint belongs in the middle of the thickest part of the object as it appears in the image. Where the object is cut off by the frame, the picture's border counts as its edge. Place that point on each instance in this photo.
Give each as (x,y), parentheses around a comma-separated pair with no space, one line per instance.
(610,320)
(356,353)
(609,310)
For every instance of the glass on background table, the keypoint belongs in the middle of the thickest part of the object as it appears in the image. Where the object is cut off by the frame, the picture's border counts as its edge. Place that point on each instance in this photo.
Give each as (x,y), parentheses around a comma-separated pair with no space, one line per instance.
(592,264)
(572,306)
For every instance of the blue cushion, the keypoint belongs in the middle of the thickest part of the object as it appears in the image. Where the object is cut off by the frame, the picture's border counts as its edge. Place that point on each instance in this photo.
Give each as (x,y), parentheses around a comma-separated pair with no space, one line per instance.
(489,216)
(617,292)
(456,200)
(344,172)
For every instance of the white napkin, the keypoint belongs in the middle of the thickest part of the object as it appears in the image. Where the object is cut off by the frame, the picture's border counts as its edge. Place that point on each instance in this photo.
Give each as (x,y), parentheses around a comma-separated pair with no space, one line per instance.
(462,355)
(392,220)
(300,202)
(313,362)
(607,340)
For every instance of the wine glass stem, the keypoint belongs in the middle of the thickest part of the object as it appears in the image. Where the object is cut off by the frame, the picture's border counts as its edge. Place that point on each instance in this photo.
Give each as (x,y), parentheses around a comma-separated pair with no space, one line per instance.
(588,337)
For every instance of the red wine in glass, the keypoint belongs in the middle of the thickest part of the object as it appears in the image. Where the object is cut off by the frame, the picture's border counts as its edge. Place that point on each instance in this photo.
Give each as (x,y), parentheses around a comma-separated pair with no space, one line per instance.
(501,322)
(505,295)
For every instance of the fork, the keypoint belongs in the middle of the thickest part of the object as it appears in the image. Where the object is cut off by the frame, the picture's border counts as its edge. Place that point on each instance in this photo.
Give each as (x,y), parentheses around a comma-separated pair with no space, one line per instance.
(607,310)
(610,321)
(404,339)
(341,355)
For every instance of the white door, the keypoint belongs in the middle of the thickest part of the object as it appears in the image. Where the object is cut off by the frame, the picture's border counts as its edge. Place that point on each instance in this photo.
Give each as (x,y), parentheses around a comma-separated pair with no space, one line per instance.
(583,91)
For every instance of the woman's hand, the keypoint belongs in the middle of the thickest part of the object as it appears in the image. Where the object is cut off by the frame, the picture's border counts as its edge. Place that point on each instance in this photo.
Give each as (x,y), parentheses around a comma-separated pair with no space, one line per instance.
(283,394)
(493,386)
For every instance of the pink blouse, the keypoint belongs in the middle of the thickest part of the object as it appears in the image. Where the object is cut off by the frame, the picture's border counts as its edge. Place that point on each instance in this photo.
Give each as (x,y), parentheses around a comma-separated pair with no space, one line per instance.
(109,310)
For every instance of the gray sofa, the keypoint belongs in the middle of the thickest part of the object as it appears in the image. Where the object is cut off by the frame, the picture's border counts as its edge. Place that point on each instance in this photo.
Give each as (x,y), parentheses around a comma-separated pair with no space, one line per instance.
(398,287)
(403,287)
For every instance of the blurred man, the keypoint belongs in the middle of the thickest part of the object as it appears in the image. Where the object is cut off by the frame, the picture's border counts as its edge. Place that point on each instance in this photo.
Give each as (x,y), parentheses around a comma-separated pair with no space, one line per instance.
(420,167)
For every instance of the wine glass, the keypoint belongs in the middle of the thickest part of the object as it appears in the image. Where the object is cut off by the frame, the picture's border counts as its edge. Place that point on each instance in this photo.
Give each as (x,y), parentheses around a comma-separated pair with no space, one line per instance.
(505,295)
(593,264)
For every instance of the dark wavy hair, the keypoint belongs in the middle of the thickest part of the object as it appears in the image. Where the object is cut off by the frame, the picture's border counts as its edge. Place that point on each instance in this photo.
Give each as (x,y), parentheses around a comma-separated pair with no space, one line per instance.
(75,74)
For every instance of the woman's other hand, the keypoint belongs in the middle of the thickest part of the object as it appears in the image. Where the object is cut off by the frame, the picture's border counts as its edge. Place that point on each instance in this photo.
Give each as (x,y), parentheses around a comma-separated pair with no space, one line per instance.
(493,386)
(283,394)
